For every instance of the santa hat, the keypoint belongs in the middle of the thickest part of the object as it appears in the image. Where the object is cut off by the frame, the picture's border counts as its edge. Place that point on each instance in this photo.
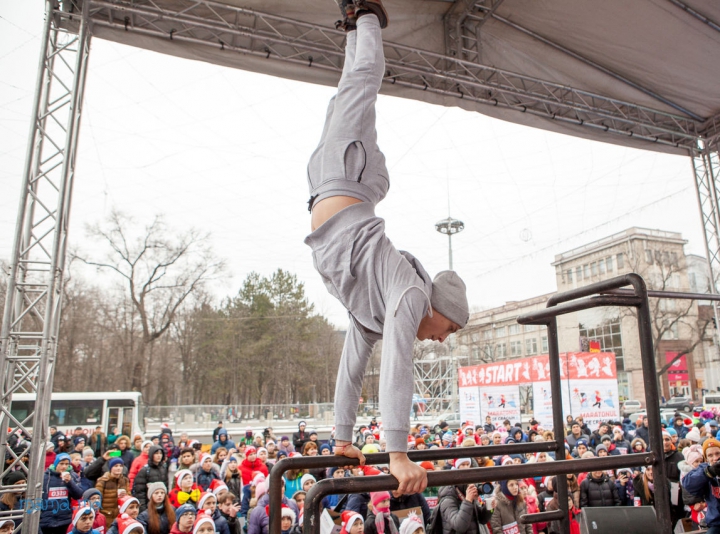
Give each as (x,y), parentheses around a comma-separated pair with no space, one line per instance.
(127,524)
(3,522)
(182,474)
(466,428)
(693,435)
(506,460)
(286,511)
(461,461)
(146,442)
(78,513)
(204,497)
(257,479)
(124,502)
(205,457)
(348,518)
(202,517)
(216,486)
(261,449)
(428,466)
(411,523)
(250,450)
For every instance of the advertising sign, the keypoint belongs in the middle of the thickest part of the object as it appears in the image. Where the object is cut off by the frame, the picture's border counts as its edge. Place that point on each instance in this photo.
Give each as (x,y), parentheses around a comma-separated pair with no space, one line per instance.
(500,403)
(470,405)
(679,369)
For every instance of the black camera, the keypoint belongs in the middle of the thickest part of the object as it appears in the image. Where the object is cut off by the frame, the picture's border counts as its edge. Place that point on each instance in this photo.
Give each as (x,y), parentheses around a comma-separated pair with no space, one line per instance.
(486,488)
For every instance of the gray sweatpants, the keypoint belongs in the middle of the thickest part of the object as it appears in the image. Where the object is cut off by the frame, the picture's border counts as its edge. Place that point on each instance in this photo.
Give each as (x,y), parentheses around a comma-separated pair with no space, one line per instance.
(347,160)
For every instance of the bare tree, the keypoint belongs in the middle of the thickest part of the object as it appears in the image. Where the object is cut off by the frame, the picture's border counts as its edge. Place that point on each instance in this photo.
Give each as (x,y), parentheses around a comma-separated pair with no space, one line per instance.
(159,272)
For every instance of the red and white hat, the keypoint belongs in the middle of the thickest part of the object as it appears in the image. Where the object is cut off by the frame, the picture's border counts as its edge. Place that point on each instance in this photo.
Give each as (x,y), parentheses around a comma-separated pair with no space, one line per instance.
(124,502)
(411,523)
(182,474)
(78,513)
(3,522)
(216,486)
(285,511)
(202,517)
(205,457)
(204,497)
(250,450)
(127,524)
(348,519)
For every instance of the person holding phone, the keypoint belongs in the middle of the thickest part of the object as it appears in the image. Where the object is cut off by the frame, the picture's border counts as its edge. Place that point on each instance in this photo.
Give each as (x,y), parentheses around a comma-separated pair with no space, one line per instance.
(59,488)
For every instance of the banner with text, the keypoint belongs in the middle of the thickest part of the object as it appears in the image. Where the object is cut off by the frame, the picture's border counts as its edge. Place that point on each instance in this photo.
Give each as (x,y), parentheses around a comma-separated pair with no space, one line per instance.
(470,405)
(589,387)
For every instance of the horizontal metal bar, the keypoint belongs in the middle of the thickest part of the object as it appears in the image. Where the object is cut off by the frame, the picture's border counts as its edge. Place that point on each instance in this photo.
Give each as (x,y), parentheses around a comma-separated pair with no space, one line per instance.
(630,279)
(544,316)
(668,294)
(542,517)
(313,499)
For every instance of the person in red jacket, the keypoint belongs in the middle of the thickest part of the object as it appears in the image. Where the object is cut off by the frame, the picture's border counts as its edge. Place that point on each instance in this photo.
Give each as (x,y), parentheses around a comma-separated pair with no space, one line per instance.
(250,465)
(49,454)
(139,462)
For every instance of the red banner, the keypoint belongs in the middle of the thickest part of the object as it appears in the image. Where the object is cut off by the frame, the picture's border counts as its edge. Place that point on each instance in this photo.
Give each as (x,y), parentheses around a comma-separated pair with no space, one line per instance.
(679,369)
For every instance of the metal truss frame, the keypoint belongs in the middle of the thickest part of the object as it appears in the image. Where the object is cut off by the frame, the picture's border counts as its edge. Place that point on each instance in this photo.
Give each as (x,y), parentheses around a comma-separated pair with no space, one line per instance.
(29,332)
(435,381)
(29,335)
(240,30)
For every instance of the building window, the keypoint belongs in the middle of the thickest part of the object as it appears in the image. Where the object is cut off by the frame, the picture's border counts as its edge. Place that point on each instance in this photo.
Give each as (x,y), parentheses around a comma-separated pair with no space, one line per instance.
(475,337)
(530,346)
(545,348)
(593,268)
(487,334)
(670,329)
(610,338)
(648,256)
(476,353)
(609,263)
(578,273)
(620,261)
(531,327)
(515,348)
(513,329)
(601,266)
(500,331)
(674,259)
(586,271)
(500,351)
(568,273)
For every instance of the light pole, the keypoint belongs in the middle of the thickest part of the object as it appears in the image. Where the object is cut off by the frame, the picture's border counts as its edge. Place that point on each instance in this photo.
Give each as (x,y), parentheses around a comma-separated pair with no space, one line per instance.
(450,227)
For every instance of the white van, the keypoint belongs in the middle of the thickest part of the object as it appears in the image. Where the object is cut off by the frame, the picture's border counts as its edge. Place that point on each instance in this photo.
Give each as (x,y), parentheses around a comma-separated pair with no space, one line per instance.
(711,401)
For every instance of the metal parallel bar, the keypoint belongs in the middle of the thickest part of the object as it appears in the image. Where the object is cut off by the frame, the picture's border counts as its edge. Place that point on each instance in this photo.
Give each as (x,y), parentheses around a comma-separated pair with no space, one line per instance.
(561,302)
(684,295)
(316,462)
(313,499)
(543,316)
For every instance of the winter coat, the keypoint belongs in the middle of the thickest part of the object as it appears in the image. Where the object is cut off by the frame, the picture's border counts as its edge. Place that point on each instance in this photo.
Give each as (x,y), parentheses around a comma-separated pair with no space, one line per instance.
(152,472)
(164,521)
(358,502)
(109,487)
(643,433)
(700,483)
(18,506)
(598,492)
(553,527)
(299,439)
(234,523)
(222,441)
(235,484)
(248,468)
(507,513)
(49,458)
(639,485)
(58,494)
(175,530)
(98,443)
(204,478)
(259,521)
(221,525)
(621,447)
(98,524)
(370,527)
(458,515)
(138,463)
(292,486)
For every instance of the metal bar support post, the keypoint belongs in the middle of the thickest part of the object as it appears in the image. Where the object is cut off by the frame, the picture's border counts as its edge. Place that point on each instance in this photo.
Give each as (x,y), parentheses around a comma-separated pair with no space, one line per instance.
(30,324)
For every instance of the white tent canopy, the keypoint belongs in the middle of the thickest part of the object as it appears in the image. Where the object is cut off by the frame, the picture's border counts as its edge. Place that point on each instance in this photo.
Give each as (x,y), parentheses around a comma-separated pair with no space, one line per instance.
(599,70)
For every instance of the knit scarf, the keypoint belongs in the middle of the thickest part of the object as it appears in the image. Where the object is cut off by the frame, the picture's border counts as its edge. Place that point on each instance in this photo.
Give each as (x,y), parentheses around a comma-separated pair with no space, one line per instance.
(380,517)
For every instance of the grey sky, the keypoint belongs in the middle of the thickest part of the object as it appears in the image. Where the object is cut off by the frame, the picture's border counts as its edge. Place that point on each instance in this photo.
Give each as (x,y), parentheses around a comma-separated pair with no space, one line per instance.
(225,151)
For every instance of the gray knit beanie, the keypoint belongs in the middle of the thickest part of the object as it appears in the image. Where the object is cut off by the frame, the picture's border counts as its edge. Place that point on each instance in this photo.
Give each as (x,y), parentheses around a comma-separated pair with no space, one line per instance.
(152,487)
(449,297)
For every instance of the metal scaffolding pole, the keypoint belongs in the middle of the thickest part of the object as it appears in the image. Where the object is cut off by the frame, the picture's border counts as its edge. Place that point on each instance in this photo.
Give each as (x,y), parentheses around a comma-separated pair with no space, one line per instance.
(29,335)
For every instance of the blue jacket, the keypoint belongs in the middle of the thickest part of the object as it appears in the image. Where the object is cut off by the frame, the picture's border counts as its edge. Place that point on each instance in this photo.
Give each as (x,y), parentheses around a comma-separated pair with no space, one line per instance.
(228,443)
(702,485)
(57,495)
(221,524)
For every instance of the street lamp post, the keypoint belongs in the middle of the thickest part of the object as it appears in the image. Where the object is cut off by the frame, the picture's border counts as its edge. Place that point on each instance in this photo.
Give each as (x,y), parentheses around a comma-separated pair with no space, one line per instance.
(450,227)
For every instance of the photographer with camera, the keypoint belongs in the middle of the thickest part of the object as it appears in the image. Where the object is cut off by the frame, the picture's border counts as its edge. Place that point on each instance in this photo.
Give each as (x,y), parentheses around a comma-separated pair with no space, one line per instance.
(461,510)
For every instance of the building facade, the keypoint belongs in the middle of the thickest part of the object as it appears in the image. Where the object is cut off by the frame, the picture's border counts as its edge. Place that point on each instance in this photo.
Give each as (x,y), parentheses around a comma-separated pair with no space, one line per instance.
(678,327)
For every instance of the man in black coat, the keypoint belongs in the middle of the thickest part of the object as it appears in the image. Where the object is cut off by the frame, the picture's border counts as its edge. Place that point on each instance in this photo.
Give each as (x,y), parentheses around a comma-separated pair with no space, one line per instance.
(643,432)
(300,437)
(155,471)
(598,490)
(672,472)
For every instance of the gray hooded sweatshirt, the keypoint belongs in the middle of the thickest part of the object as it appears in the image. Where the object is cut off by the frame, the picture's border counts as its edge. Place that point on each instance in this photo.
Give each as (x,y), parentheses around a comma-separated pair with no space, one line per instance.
(387,293)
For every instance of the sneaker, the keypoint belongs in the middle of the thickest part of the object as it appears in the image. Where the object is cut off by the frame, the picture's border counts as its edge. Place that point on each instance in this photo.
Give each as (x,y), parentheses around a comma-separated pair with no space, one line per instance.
(374,6)
(349,17)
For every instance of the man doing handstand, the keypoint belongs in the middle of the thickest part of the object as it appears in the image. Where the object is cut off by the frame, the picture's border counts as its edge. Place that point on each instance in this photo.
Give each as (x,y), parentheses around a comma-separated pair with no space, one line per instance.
(387,293)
